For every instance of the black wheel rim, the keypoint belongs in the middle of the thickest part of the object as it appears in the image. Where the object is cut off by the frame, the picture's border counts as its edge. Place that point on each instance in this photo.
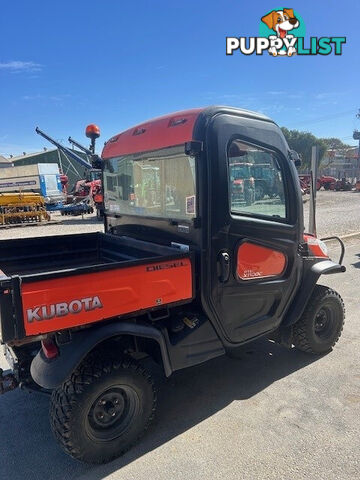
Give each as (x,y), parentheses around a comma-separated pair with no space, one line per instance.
(324,323)
(112,413)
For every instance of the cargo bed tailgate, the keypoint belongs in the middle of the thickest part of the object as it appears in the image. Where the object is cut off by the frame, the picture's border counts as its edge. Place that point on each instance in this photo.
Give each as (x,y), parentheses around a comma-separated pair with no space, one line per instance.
(65,302)
(126,277)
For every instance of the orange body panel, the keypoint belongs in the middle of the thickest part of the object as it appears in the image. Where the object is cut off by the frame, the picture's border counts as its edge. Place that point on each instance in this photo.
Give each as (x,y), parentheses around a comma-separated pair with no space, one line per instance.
(255,261)
(55,304)
(168,130)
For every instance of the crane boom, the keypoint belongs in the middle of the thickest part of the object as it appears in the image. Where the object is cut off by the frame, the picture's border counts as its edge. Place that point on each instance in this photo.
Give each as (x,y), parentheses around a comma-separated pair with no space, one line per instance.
(65,150)
(79,146)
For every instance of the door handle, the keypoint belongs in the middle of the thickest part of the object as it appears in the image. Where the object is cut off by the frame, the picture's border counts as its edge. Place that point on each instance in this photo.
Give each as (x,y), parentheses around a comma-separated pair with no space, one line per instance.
(224,263)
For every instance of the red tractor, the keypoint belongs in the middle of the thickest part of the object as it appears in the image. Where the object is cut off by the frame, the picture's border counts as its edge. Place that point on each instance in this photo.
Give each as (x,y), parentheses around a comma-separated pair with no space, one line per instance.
(326,181)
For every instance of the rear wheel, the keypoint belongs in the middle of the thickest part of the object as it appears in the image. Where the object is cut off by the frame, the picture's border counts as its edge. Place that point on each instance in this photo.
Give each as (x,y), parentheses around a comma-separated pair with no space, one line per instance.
(103,409)
(249,196)
(259,192)
(322,322)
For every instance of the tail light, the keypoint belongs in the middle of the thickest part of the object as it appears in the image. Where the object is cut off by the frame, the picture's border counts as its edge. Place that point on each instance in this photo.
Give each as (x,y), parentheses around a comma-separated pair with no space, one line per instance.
(49,348)
(316,246)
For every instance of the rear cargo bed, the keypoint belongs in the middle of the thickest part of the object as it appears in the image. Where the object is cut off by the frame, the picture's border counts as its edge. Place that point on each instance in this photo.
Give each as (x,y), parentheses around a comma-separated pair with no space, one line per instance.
(54,283)
(31,256)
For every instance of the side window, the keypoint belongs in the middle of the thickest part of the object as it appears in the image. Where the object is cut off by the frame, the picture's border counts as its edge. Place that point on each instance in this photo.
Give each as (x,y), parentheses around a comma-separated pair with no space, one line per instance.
(255,181)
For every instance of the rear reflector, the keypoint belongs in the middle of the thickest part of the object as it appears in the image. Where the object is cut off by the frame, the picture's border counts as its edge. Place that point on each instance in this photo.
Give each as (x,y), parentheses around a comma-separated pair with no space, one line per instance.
(49,348)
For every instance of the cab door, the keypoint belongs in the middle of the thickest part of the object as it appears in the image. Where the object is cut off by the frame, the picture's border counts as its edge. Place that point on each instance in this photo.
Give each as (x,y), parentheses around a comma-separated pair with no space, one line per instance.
(254,264)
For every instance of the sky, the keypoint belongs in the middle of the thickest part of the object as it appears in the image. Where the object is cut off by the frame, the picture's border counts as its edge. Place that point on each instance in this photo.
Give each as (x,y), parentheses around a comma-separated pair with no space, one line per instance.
(66,64)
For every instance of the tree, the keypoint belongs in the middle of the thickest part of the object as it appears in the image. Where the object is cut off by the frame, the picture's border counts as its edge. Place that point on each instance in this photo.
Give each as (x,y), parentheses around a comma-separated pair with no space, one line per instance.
(335,143)
(302,143)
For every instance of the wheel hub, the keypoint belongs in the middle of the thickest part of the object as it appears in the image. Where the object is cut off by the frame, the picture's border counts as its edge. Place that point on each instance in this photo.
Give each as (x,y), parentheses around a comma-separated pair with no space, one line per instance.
(323,323)
(112,412)
(108,408)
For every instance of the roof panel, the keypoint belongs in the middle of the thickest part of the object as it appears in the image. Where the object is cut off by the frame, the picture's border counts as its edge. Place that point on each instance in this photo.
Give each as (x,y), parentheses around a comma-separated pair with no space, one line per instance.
(172,129)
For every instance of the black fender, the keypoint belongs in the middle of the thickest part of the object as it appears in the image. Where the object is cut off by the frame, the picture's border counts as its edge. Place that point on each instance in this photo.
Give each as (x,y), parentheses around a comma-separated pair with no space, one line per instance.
(312,272)
(51,373)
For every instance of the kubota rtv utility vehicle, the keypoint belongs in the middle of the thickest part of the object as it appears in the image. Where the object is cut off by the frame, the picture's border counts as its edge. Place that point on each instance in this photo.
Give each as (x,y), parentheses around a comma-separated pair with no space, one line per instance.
(183,273)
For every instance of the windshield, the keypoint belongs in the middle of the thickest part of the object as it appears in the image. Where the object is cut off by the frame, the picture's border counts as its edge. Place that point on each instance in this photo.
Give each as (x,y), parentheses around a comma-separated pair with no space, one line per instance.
(154,184)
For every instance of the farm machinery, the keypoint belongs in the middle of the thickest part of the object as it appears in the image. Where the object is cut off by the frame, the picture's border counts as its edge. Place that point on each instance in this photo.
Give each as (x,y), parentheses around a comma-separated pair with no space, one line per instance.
(22,207)
(87,193)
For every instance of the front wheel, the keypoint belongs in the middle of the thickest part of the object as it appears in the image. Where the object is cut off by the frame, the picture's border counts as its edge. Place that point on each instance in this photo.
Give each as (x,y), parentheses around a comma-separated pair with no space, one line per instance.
(322,322)
(103,409)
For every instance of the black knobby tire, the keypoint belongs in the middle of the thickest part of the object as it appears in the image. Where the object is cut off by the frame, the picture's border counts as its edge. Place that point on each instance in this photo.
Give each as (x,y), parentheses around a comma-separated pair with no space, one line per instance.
(82,424)
(249,196)
(322,322)
(259,192)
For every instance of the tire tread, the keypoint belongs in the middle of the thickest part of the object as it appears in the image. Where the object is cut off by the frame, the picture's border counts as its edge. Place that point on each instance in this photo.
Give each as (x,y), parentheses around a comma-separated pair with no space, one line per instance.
(300,337)
(64,398)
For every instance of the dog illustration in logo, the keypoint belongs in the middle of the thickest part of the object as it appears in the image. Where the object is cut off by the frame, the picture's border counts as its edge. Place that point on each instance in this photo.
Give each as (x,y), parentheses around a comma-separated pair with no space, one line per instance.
(282,22)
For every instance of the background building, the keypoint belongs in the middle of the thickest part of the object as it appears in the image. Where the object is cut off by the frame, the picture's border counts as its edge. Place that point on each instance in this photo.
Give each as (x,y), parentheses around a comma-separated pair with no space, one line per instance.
(341,163)
(5,162)
(67,166)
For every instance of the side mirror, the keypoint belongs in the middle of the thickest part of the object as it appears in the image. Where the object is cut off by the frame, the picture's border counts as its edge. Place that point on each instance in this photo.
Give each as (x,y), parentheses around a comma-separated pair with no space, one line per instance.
(295,157)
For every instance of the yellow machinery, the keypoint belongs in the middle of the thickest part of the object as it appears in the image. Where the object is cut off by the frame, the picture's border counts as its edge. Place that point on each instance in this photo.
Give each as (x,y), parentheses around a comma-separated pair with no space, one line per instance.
(22,208)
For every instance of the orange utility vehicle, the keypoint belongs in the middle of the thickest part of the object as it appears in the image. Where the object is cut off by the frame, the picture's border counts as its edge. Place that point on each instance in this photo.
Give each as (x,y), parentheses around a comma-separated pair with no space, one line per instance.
(183,273)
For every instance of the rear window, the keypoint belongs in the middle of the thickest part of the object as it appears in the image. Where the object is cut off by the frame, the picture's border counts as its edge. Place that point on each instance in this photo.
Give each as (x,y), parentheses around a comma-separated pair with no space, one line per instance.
(160,183)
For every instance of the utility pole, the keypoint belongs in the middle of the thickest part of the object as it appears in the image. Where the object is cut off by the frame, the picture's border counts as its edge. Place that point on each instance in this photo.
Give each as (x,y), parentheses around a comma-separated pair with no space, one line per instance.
(356,136)
(313,176)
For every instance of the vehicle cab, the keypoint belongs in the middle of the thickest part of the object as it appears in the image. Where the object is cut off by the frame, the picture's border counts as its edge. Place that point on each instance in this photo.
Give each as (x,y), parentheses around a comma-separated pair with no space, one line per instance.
(172,180)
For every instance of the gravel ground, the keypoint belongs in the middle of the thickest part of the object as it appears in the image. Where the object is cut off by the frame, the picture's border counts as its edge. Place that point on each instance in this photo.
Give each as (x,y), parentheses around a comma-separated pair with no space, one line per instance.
(338,213)
(65,226)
